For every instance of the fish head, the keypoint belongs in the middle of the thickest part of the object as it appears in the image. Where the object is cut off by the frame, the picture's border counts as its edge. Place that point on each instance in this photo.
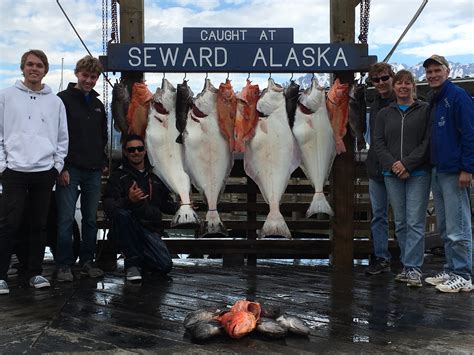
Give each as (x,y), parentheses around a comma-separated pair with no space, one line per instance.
(167,95)
(120,91)
(244,305)
(338,94)
(238,324)
(206,99)
(141,93)
(313,97)
(226,91)
(271,98)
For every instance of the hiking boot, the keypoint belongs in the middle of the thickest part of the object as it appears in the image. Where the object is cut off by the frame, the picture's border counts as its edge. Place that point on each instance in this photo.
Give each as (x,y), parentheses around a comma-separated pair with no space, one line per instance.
(91,270)
(413,277)
(437,279)
(4,287)
(65,274)
(402,277)
(378,266)
(133,274)
(39,281)
(455,283)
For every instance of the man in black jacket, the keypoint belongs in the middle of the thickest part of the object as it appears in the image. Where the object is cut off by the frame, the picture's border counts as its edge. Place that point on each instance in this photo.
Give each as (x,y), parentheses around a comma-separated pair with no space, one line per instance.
(84,165)
(381,75)
(134,200)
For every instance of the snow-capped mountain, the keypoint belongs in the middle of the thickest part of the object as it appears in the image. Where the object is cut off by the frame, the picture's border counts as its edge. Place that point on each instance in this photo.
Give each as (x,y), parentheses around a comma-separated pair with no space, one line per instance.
(458,70)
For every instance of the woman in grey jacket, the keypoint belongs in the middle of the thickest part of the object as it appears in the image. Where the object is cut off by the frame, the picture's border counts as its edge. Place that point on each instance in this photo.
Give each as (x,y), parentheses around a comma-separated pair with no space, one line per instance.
(401,142)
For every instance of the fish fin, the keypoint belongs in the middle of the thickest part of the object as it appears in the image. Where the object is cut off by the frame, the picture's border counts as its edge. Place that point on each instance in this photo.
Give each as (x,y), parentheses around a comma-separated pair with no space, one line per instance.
(264,126)
(340,147)
(213,224)
(185,216)
(179,139)
(275,225)
(319,205)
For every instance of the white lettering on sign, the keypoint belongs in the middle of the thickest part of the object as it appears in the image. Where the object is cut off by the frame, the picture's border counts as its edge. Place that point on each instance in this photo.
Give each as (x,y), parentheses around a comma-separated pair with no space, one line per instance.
(203,56)
(224,57)
(306,55)
(321,55)
(292,56)
(146,56)
(340,56)
(259,56)
(223,35)
(272,64)
(137,60)
(169,56)
(189,56)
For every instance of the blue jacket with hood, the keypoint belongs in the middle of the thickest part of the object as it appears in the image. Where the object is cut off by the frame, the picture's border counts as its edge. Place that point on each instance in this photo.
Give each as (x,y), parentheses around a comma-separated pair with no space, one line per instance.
(452,135)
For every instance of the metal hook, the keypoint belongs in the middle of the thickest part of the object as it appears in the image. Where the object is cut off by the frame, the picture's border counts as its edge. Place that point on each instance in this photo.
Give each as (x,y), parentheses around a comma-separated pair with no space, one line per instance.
(270,76)
(248,76)
(207,74)
(164,75)
(185,76)
(227,77)
(291,79)
(312,77)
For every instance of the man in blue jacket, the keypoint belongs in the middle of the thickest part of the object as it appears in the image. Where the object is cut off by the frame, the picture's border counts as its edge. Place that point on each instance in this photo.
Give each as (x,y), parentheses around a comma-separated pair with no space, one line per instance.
(452,155)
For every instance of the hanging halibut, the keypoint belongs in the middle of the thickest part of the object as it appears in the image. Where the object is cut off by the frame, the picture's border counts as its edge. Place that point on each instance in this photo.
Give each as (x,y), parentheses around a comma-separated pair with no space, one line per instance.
(165,154)
(207,155)
(314,134)
(271,156)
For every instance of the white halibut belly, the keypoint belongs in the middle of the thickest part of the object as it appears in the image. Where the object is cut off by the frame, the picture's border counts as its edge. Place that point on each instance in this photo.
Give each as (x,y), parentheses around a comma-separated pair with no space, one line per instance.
(317,146)
(207,157)
(166,156)
(270,157)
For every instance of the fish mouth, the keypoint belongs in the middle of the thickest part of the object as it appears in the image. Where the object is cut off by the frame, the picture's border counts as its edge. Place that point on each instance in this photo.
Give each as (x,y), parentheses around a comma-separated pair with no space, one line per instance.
(160,108)
(197,112)
(304,109)
(260,114)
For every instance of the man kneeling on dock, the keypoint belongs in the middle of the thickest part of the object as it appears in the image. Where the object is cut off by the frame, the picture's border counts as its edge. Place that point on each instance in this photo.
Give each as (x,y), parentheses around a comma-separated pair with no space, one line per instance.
(134,200)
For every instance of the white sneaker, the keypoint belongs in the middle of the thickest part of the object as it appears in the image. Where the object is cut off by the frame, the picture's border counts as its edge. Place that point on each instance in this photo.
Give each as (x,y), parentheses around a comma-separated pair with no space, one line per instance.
(39,281)
(4,287)
(437,279)
(455,283)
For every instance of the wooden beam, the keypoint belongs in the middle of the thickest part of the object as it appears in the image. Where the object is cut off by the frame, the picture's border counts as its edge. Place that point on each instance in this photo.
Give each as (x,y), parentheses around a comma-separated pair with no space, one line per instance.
(342,28)
(132,30)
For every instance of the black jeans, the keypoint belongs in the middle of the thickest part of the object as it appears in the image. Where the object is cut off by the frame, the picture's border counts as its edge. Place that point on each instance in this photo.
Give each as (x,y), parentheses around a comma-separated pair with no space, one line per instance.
(20,189)
(140,246)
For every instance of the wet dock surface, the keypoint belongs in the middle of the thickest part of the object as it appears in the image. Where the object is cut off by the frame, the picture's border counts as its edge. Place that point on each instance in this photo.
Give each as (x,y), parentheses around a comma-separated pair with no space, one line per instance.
(347,313)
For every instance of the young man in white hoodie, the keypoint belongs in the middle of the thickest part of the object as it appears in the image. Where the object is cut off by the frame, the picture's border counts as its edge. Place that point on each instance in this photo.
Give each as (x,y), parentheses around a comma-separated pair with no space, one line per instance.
(33,145)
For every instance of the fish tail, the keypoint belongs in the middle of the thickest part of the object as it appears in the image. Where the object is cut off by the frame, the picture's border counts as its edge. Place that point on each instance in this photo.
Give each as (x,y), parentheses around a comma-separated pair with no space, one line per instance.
(213,224)
(239,146)
(275,225)
(319,205)
(185,216)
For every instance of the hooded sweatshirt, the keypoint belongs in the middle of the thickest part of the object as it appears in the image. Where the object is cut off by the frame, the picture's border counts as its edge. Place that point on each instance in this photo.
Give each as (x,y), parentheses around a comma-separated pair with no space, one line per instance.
(33,129)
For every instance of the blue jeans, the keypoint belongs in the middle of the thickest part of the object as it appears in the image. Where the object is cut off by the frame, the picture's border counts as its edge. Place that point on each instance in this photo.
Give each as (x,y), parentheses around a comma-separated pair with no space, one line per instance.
(379,223)
(140,246)
(409,201)
(66,198)
(453,218)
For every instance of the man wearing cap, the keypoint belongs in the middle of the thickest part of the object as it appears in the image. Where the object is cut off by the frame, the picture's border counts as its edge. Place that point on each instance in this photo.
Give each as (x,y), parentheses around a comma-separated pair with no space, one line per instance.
(452,157)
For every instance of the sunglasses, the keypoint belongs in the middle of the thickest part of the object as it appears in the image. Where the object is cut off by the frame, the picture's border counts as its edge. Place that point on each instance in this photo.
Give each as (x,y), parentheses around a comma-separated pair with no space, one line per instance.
(383,78)
(139,148)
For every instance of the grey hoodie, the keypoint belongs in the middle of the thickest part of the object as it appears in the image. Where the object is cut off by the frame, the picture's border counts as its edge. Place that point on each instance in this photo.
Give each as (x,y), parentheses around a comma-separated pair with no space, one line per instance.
(33,129)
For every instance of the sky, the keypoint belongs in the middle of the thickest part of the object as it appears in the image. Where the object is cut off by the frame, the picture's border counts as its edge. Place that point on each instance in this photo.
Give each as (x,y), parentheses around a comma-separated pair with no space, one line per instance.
(443,27)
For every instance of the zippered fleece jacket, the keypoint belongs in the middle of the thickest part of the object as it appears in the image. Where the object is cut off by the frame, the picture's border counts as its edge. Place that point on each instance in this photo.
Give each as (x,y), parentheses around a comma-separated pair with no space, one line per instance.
(403,135)
(148,211)
(452,135)
(87,124)
(33,129)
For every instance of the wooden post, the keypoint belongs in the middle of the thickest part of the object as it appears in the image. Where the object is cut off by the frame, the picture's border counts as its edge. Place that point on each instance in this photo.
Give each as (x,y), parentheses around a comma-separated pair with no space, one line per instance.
(132,30)
(342,28)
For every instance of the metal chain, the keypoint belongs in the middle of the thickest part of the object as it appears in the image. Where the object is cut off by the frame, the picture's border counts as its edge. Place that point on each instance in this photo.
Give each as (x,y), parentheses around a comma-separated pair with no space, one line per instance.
(105,35)
(115,33)
(364,20)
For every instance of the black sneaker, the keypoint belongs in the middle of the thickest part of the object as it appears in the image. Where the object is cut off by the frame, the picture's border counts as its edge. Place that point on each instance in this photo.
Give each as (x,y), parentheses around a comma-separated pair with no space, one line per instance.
(378,266)
(134,273)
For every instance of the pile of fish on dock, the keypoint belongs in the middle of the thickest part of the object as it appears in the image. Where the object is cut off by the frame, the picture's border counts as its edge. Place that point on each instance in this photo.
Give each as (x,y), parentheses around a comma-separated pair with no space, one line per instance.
(193,139)
(241,319)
